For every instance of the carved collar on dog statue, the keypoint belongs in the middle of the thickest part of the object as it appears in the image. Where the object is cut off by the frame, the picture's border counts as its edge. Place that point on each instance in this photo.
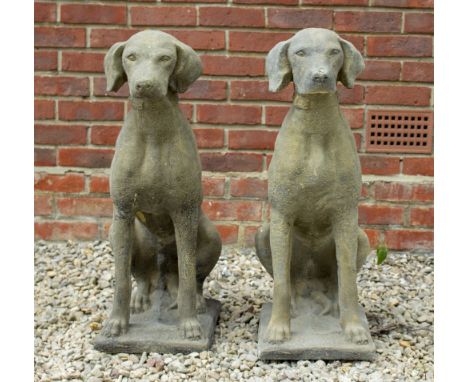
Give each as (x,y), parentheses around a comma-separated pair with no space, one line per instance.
(313,245)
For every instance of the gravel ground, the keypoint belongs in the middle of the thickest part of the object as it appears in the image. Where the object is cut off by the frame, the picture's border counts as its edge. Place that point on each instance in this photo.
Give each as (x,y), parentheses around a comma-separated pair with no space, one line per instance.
(73,295)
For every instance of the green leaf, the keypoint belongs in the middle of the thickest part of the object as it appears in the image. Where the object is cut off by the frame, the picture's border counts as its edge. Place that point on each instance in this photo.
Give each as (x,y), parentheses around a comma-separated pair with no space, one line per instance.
(382,252)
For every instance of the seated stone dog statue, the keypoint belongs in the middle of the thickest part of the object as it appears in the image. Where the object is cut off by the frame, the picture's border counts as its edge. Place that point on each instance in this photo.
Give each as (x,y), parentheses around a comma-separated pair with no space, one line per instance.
(159,232)
(313,246)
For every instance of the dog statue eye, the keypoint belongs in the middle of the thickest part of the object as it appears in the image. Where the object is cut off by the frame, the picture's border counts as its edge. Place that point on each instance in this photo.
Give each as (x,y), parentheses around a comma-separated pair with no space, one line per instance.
(164,58)
(334,51)
(131,57)
(300,53)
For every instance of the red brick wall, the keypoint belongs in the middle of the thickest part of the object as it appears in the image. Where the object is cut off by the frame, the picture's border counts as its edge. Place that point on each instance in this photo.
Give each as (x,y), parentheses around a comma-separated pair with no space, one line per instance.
(234,116)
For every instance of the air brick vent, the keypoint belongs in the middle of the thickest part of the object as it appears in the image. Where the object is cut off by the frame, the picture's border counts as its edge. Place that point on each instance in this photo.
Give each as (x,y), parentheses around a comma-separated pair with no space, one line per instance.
(399,131)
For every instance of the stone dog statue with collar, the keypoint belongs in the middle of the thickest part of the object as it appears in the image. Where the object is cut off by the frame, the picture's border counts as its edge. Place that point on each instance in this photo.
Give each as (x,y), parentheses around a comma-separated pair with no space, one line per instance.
(155,183)
(313,245)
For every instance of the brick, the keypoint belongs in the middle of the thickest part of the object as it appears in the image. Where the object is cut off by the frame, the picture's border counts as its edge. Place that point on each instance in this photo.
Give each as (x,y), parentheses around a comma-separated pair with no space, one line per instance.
(299,18)
(91,110)
(44,109)
(43,205)
(104,134)
(231,17)
(233,66)
(267,2)
(63,86)
(380,215)
(84,206)
(106,37)
(404,192)
(229,114)
(399,46)
(422,217)
(274,115)
(374,22)
(69,182)
(252,139)
(243,41)
(206,40)
(93,14)
(357,40)
(193,1)
(225,162)
(418,71)
(249,235)
(59,134)
(100,89)
(355,117)
(249,187)
(409,239)
(381,71)
(403,3)
(206,89)
(354,96)
(45,12)
(44,157)
(335,2)
(157,16)
(99,184)
(419,23)
(187,110)
(364,190)
(213,186)
(209,138)
(418,166)
(380,165)
(374,237)
(85,157)
(357,141)
(59,37)
(59,230)
(233,210)
(258,90)
(45,60)
(83,62)
(228,232)
(423,192)
(398,95)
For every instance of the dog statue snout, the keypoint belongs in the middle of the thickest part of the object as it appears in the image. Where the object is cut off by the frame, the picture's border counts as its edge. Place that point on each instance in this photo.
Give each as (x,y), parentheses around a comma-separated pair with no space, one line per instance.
(320,76)
(144,85)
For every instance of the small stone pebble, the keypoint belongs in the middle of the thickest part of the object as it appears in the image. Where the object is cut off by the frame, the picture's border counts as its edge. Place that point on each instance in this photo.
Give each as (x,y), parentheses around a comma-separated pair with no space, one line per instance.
(73,296)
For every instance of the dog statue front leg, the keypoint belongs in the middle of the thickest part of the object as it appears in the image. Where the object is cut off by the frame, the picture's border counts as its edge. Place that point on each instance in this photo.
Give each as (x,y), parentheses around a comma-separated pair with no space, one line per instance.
(121,237)
(345,234)
(186,229)
(279,327)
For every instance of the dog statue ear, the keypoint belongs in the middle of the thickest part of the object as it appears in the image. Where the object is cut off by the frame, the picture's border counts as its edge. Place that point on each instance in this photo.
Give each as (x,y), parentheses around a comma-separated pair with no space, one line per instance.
(187,69)
(277,67)
(353,64)
(115,73)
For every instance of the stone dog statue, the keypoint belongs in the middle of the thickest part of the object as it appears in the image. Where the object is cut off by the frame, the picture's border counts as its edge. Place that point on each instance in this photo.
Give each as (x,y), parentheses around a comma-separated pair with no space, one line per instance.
(313,245)
(155,183)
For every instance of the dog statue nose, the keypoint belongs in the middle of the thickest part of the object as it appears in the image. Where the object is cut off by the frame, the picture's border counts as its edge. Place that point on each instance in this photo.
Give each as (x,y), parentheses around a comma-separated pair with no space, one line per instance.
(320,76)
(144,85)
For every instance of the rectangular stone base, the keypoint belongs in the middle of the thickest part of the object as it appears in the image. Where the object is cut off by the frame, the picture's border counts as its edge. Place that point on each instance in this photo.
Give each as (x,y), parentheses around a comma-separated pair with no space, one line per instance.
(156,330)
(312,337)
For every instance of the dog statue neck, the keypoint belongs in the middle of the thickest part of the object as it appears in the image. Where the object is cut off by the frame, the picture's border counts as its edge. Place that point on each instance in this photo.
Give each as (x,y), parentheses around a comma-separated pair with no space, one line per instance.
(316,101)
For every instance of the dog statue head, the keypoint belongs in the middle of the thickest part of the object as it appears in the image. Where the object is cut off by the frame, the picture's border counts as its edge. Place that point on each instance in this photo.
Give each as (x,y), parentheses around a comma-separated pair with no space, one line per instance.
(152,62)
(315,59)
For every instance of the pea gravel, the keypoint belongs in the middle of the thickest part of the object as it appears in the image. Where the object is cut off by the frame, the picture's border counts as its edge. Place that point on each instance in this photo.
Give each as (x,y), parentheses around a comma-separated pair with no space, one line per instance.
(73,294)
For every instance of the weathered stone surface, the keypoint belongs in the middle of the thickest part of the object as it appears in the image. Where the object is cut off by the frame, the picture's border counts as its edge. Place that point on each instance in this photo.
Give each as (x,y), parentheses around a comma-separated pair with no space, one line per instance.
(313,336)
(156,330)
